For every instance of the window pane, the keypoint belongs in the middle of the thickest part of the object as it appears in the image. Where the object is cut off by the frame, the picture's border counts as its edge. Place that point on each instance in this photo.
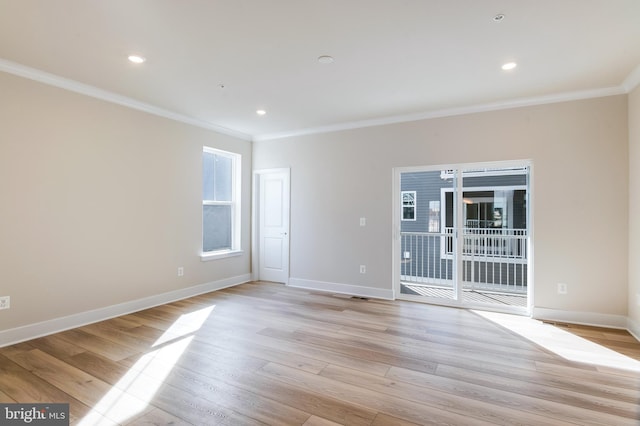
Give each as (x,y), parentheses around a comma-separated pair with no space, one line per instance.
(408,198)
(208,161)
(217,177)
(408,213)
(217,228)
(434,216)
(222,178)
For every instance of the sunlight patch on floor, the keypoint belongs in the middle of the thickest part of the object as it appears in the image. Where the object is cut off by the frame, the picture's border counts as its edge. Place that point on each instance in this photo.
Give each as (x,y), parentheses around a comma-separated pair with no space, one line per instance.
(561,342)
(186,324)
(135,390)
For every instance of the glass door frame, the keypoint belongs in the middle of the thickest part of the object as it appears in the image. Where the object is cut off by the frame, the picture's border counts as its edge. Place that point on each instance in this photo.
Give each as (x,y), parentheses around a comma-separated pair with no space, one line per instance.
(458,300)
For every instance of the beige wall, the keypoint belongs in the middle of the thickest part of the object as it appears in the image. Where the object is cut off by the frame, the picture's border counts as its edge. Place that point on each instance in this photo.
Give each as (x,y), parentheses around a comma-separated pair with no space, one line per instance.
(100,204)
(634,211)
(579,153)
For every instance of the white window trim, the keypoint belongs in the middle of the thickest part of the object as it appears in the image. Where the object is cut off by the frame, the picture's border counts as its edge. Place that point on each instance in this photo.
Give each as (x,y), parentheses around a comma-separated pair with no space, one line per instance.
(220,254)
(415,206)
(236,249)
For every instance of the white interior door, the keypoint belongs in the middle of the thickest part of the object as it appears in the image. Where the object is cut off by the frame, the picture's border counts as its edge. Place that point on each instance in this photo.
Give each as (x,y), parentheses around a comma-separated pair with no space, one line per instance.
(273,225)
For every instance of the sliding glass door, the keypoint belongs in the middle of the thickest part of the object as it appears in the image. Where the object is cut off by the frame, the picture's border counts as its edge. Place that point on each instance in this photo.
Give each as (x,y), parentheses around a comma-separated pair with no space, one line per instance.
(464,235)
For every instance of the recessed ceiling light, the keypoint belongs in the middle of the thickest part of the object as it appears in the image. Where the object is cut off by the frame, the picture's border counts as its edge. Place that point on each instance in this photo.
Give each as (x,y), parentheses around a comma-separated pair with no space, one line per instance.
(136,59)
(509,66)
(325,59)
(261,112)
(499,17)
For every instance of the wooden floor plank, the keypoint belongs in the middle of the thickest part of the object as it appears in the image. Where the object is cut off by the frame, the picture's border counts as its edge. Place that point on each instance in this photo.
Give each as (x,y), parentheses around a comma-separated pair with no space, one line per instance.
(57,346)
(98,366)
(156,417)
(387,420)
(108,331)
(241,401)
(22,385)
(76,383)
(274,354)
(450,396)
(6,399)
(107,348)
(630,381)
(516,357)
(263,353)
(542,385)
(308,400)
(347,349)
(561,405)
(319,421)
(393,405)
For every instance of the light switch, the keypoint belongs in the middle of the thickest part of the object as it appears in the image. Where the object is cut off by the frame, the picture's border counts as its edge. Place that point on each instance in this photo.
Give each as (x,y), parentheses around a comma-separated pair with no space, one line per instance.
(363,221)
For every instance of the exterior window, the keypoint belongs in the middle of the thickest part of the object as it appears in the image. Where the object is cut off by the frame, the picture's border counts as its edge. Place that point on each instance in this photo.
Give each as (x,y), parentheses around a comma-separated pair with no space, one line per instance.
(408,205)
(220,201)
(434,216)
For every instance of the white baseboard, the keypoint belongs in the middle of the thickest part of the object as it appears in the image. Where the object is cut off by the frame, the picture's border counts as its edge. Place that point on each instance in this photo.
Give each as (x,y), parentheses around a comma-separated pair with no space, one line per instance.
(354,290)
(583,318)
(633,327)
(32,331)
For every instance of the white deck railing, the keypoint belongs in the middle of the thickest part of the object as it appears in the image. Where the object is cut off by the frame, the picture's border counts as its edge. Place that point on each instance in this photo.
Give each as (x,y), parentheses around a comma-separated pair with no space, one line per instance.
(492,258)
(492,243)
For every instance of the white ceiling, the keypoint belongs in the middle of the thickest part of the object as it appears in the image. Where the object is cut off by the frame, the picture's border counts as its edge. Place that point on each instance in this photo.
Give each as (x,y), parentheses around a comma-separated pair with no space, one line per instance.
(394,59)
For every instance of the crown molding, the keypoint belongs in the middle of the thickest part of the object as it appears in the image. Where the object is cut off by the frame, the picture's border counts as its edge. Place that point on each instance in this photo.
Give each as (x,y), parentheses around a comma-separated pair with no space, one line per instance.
(628,85)
(494,106)
(94,92)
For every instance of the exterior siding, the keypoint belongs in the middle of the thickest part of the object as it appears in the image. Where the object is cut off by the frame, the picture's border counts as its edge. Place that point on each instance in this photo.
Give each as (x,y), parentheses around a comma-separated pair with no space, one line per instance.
(427,186)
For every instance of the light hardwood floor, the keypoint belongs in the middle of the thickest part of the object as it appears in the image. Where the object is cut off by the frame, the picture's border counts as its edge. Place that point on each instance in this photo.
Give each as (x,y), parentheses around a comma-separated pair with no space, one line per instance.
(263,353)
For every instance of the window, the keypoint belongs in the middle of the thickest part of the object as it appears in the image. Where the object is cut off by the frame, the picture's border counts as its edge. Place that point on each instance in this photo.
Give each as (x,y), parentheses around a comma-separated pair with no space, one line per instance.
(434,216)
(408,205)
(491,213)
(220,202)
(489,207)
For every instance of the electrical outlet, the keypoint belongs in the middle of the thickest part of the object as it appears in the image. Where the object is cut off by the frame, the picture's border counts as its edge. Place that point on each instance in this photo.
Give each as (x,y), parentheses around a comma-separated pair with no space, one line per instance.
(5,302)
(180,271)
(562,288)
(363,269)
(363,221)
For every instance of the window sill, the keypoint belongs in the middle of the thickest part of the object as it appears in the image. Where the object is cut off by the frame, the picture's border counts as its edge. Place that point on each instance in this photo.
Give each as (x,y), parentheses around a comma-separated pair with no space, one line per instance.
(214,255)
